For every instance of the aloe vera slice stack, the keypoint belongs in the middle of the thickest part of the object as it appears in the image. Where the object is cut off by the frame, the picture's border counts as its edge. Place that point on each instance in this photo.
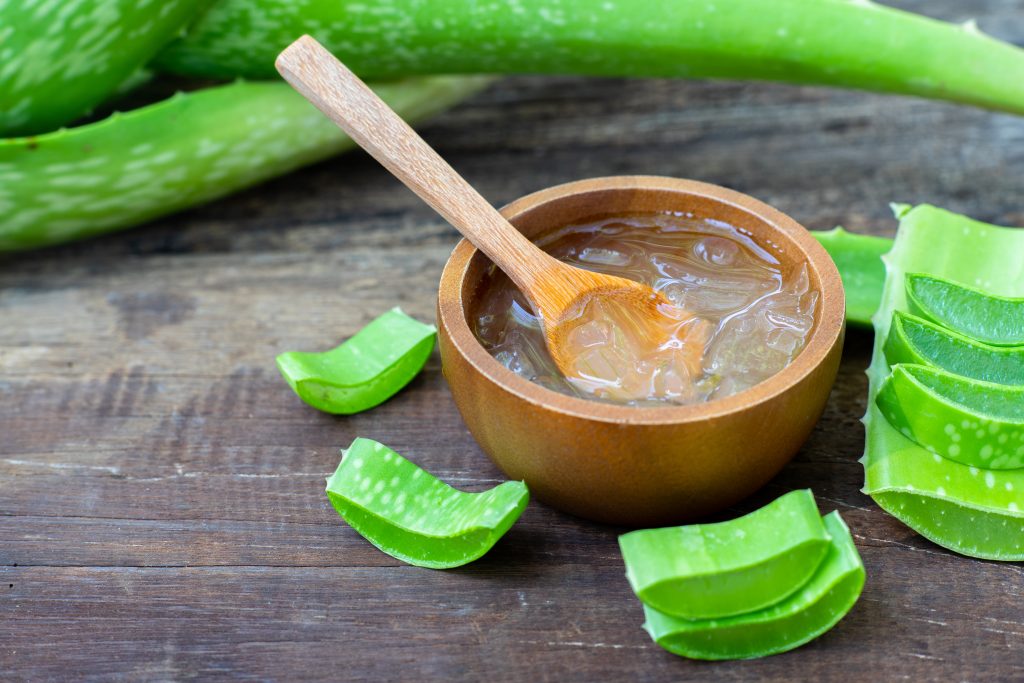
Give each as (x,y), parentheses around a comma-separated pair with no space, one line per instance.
(970,510)
(413,516)
(703,571)
(751,587)
(809,612)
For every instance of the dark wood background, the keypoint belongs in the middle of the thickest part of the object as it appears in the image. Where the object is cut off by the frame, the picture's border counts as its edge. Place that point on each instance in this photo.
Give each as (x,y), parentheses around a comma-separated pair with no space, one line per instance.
(162,514)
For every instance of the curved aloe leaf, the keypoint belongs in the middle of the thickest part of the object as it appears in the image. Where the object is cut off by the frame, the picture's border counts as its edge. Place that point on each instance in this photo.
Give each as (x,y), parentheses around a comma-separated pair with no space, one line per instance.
(971,511)
(413,516)
(60,59)
(852,43)
(366,370)
(996,320)
(915,340)
(966,420)
(707,571)
(814,609)
(181,152)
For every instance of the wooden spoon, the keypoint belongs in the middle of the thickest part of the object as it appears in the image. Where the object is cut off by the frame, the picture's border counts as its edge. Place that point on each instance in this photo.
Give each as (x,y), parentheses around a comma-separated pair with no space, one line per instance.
(558,292)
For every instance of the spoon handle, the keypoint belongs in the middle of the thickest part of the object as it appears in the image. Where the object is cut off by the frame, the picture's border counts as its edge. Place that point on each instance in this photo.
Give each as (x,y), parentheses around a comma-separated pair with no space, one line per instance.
(346,100)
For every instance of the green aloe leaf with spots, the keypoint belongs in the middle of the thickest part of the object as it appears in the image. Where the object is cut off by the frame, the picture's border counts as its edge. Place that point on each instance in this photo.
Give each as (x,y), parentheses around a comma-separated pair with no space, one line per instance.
(415,517)
(966,420)
(963,507)
(848,43)
(183,151)
(59,59)
(914,340)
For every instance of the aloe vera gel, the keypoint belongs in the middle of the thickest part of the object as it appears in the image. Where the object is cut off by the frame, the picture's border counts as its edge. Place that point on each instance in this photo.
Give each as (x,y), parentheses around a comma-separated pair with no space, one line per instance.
(738,315)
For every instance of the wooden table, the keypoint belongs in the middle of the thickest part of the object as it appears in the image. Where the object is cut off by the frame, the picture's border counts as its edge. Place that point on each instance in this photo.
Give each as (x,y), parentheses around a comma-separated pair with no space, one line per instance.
(162,514)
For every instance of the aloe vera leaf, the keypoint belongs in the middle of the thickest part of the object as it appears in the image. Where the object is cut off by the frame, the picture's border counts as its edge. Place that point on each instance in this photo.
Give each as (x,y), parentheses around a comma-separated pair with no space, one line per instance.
(966,420)
(806,614)
(916,341)
(968,510)
(995,320)
(851,43)
(60,59)
(414,517)
(986,536)
(364,371)
(184,151)
(707,571)
(859,260)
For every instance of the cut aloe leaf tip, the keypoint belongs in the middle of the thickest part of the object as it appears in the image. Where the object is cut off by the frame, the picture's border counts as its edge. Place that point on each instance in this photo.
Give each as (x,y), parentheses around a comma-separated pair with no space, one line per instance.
(414,517)
(366,370)
(859,260)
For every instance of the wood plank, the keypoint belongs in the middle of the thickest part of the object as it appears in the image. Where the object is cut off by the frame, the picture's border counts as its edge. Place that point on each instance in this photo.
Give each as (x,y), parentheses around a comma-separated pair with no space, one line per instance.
(461,623)
(162,513)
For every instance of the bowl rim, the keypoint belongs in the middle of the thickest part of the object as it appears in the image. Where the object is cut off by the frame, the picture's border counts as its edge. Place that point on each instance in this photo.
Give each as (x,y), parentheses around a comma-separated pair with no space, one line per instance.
(824,335)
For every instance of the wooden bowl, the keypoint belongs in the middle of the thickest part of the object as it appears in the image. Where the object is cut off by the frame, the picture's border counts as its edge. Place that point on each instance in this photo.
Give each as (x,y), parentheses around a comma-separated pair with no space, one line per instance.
(628,465)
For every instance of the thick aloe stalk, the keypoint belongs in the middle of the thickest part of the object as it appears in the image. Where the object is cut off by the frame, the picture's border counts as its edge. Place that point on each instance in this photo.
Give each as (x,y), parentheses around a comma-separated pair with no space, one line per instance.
(851,43)
(183,151)
(60,59)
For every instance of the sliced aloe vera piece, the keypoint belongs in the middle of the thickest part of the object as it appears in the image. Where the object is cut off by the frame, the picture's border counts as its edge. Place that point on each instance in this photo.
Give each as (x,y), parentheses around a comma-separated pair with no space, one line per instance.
(966,420)
(859,260)
(989,318)
(915,340)
(366,370)
(815,608)
(705,571)
(415,517)
(968,510)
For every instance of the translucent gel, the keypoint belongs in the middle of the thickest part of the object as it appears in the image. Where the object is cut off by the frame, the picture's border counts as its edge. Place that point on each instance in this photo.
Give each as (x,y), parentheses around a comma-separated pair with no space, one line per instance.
(733,319)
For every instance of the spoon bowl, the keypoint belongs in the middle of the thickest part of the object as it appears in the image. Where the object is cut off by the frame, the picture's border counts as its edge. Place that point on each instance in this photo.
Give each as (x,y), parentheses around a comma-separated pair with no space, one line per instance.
(640,465)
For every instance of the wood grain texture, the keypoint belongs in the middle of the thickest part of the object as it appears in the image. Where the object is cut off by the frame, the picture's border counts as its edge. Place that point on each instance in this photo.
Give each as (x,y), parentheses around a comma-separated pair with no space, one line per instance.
(162,514)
